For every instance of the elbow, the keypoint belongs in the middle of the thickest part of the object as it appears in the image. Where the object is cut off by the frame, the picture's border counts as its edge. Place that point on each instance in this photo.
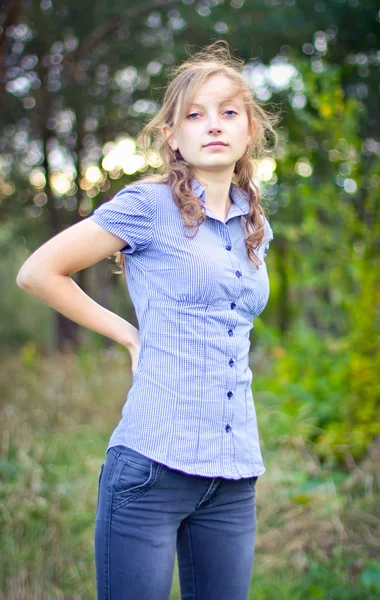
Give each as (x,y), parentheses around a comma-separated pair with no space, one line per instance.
(33,280)
(23,280)
(27,279)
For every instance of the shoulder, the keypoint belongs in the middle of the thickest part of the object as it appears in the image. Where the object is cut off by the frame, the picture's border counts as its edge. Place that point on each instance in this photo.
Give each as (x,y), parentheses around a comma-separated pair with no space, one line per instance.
(135,201)
(130,214)
(138,188)
(137,197)
(149,189)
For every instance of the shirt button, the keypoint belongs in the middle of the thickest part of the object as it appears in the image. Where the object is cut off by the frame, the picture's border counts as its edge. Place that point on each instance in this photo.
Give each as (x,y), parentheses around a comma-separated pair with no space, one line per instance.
(231,363)
(228,428)
(230,394)
(238,273)
(228,247)
(233,304)
(230,332)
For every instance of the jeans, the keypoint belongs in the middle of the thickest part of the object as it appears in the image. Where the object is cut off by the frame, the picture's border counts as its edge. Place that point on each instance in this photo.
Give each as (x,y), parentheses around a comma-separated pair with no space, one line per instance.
(147,511)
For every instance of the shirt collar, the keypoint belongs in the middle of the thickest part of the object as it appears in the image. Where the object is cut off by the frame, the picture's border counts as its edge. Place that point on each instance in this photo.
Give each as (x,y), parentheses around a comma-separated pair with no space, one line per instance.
(237,195)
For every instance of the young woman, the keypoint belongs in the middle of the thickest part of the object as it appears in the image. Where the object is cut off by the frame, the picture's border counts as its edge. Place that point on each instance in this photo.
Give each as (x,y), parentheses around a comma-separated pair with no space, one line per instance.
(181,466)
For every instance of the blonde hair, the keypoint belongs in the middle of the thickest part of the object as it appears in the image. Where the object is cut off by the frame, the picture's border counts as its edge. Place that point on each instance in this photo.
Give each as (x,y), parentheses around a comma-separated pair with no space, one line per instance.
(186,80)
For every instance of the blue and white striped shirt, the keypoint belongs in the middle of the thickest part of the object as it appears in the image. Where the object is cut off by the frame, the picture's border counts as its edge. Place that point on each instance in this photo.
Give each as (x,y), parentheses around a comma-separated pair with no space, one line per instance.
(190,405)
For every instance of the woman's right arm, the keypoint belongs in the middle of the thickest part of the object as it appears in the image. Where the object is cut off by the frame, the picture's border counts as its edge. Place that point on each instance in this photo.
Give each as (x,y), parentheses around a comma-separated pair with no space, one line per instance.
(46,275)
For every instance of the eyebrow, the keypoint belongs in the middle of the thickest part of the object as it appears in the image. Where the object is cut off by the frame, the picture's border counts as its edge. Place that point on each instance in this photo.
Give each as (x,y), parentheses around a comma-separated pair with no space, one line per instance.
(227,101)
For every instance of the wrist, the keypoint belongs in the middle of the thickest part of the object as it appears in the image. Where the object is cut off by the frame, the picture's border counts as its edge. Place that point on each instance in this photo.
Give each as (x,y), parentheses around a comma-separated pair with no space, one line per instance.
(129,337)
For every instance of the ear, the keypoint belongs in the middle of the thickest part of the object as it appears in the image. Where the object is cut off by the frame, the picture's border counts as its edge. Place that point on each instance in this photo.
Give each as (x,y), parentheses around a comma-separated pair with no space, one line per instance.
(252,130)
(166,132)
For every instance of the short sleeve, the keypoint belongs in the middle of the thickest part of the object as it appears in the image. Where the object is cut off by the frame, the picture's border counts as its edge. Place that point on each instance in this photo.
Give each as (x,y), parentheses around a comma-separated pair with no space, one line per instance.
(268,237)
(130,215)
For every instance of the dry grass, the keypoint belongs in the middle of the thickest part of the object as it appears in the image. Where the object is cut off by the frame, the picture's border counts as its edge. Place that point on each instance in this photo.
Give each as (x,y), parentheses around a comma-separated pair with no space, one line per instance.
(57,413)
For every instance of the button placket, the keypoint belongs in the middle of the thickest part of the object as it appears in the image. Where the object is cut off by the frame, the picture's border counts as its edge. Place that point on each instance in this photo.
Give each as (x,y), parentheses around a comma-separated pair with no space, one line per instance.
(227,240)
(236,290)
(231,354)
(228,419)
(231,383)
(230,390)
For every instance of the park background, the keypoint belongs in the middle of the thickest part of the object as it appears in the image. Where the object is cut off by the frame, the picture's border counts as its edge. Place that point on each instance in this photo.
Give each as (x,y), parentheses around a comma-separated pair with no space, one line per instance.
(78,81)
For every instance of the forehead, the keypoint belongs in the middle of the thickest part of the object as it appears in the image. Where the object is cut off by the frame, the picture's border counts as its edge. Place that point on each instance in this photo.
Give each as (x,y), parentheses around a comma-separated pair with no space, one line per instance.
(215,99)
(216,91)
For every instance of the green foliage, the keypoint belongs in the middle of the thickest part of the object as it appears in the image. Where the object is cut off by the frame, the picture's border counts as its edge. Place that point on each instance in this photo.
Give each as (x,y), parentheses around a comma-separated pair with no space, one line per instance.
(324,271)
(321,581)
(325,390)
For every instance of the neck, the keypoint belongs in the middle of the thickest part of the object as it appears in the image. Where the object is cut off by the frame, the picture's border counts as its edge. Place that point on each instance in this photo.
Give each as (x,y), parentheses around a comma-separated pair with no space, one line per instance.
(217,191)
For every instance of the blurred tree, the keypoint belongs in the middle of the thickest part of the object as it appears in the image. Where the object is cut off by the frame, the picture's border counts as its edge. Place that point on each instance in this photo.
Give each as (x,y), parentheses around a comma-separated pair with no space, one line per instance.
(76,76)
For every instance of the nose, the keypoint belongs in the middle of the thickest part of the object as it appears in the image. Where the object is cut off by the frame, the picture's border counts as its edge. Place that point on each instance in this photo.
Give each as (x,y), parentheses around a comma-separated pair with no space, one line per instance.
(214,124)
(214,129)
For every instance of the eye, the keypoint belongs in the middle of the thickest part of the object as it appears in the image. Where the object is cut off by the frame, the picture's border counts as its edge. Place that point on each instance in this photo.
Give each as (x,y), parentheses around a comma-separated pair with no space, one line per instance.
(192,114)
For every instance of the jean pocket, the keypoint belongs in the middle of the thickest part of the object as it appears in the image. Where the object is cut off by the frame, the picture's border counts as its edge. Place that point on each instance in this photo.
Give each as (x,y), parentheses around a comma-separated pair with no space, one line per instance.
(133,475)
(99,480)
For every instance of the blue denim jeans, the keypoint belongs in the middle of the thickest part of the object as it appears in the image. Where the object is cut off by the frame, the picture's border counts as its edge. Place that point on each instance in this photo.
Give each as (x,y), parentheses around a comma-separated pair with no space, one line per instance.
(147,511)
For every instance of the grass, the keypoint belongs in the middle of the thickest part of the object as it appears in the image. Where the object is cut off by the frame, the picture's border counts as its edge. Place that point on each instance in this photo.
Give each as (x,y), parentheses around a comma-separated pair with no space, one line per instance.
(318,527)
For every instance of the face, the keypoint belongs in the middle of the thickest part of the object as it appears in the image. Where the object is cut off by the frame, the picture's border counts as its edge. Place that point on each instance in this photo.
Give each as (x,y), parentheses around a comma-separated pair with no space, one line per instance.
(217,114)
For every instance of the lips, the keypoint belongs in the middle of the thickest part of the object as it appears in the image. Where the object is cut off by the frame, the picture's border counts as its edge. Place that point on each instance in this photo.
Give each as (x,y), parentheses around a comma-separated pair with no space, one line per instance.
(216,144)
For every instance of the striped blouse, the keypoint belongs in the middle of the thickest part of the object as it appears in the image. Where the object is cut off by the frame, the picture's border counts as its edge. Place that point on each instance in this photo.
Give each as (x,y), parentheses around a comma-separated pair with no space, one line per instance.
(190,405)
